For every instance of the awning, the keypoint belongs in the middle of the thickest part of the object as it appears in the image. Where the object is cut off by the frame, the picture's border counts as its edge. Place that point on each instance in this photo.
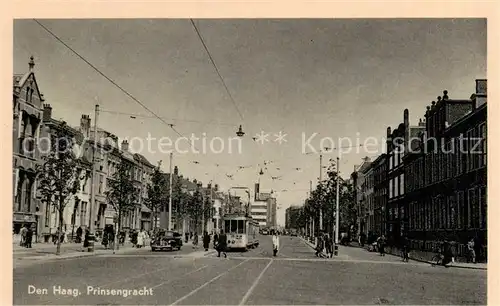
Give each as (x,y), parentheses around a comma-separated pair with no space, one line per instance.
(144,208)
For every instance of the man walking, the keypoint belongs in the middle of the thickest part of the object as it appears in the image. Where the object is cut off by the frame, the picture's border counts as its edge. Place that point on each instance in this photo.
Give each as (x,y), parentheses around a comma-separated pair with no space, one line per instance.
(222,244)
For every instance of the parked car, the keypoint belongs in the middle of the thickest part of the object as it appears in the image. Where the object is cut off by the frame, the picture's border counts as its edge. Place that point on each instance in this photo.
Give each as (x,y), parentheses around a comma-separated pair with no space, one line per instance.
(166,240)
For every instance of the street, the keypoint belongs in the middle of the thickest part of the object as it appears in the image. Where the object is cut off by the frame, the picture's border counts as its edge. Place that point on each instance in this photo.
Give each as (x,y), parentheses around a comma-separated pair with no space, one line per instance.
(295,276)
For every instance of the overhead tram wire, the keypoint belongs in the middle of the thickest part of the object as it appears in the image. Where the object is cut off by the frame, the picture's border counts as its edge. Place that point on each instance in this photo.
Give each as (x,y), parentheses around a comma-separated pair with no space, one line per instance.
(107,78)
(216,68)
(182,120)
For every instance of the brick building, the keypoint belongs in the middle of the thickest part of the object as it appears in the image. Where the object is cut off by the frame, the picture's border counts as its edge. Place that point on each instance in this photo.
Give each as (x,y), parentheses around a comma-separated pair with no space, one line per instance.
(448,183)
(27,103)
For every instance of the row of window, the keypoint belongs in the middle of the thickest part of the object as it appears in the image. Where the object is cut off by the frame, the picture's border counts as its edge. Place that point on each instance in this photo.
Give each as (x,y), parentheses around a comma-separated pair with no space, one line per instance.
(397,186)
(460,210)
(459,155)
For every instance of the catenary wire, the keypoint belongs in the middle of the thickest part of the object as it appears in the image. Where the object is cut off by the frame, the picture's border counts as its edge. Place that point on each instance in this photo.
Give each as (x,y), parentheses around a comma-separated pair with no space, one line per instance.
(216,68)
(107,78)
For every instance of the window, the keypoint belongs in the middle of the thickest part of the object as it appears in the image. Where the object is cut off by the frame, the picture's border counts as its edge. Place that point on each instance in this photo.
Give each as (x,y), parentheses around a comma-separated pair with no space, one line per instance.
(28,94)
(402,184)
(483,207)
(460,209)
(473,206)
(83,213)
(101,183)
(27,194)
(390,162)
(390,189)
(469,157)
(460,154)
(453,215)
(482,147)
(47,215)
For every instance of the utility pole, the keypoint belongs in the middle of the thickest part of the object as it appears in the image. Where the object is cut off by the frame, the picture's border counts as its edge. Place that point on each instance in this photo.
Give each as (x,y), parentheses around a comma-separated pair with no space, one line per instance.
(92,182)
(319,185)
(170,195)
(336,252)
(311,228)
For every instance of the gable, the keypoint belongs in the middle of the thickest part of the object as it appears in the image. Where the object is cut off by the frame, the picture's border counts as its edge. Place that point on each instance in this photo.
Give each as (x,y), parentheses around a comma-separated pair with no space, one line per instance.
(28,81)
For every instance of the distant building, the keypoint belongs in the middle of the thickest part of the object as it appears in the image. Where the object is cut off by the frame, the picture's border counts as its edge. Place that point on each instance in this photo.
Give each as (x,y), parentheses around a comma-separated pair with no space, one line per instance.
(379,166)
(358,181)
(264,208)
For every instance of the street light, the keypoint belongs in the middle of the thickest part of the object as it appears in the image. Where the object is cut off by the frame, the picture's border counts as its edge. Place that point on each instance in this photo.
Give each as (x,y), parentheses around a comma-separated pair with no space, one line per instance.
(240,132)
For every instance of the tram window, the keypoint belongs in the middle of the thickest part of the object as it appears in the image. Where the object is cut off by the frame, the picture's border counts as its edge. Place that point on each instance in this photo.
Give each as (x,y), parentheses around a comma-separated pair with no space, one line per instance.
(241,227)
(234,226)
(227,226)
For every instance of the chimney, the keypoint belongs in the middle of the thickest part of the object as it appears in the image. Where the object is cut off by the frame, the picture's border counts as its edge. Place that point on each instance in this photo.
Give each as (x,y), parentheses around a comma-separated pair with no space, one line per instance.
(481,93)
(256,192)
(195,181)
(47,112)
(176,171)
(406,120)
(216,187)
(85,125)
(125,145)
(32,63)
(445,95)
(42,97)
(209,186)
(421,122)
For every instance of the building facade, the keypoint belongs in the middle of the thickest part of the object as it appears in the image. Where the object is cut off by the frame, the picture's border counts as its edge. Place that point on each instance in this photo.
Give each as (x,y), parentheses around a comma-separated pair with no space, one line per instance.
(451,201)
(27,117)
(379,166)
(75,212)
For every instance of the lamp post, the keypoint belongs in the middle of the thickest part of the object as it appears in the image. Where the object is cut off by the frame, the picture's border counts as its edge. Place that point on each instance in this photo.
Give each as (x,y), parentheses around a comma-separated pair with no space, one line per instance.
(337,196)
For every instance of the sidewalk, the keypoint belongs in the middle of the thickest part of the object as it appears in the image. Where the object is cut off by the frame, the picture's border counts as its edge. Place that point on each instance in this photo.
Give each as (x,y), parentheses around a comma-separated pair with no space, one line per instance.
(424,257)
(47,251)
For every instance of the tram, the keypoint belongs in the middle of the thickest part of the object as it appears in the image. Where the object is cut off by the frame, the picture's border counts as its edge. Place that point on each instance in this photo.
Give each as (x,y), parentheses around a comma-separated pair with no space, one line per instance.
(241,232)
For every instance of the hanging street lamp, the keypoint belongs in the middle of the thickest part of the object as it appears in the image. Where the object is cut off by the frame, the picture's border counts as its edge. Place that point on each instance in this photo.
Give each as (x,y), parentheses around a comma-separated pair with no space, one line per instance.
(240,132)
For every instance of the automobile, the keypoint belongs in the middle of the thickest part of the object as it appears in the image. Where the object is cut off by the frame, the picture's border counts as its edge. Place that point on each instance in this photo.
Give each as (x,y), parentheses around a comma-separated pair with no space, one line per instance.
(265,232)
(166,240)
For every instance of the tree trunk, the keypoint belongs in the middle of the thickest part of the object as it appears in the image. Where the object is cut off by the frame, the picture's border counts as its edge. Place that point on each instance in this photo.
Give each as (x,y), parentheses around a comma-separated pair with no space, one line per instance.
(119,227)
(61,219)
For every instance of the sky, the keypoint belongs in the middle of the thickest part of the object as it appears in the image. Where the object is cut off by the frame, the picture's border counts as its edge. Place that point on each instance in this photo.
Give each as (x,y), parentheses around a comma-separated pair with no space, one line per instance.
(313,80)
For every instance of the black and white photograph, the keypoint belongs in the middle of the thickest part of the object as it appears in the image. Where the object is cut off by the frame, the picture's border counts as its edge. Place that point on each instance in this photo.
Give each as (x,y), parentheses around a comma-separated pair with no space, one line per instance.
(249,161)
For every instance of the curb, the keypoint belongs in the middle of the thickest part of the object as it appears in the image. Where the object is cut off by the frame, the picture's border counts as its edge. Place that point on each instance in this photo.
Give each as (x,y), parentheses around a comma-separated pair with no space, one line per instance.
(429,262)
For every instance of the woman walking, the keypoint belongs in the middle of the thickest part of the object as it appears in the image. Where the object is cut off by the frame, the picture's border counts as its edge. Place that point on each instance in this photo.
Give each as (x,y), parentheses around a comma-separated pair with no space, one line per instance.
(276,243)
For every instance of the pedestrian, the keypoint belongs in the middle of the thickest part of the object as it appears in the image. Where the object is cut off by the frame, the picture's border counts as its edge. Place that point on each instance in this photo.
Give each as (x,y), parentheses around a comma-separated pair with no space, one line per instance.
(320,246)
(447,253)
(216,238)
(186,237)
(206,241)
(29,237)
(140,239)
(328,246)
(471,251)
(222,244)
(276,243)
(362,239)
(105,238)
(195,240)
(381,245)
(86,240)
(23,232)
(405,249)
(79,233)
